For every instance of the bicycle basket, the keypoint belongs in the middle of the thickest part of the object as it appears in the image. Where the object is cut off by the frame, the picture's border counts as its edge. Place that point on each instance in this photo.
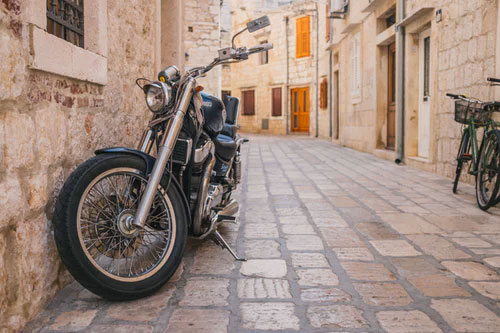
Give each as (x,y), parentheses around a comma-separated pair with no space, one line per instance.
(464,110)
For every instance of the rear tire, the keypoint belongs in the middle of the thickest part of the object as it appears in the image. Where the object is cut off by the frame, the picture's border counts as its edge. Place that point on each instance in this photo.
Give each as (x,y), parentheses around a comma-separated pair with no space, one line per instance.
(487,178)
(464,148)
(161,242)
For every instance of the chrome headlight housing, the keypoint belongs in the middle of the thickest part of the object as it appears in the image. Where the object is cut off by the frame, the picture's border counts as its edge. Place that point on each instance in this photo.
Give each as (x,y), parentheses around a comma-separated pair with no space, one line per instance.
(158,96)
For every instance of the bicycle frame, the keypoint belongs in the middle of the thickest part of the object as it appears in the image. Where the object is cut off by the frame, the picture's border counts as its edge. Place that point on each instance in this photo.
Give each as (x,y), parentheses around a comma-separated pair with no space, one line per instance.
(474,145)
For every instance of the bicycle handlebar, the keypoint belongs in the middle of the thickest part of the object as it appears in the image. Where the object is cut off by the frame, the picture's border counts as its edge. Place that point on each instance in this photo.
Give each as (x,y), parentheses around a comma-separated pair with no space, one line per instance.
(454,96)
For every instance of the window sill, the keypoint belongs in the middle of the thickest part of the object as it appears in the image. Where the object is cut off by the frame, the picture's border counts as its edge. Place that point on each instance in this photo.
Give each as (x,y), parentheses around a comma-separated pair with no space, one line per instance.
(419,159)
(55,55)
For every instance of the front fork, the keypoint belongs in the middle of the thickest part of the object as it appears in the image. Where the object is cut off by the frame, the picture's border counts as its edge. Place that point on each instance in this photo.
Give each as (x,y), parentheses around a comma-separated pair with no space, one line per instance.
(167,145)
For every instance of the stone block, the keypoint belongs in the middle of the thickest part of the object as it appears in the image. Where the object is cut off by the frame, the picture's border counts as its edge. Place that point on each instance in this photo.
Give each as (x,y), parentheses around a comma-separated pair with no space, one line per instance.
(198,320)
(465,315)
(406,322)
(263,288)
(205,292)
(336,316)
(266,268)
(269,316)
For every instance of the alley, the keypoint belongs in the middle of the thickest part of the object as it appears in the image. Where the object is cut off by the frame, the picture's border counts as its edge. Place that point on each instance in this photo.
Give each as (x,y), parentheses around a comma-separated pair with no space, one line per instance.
(336,240)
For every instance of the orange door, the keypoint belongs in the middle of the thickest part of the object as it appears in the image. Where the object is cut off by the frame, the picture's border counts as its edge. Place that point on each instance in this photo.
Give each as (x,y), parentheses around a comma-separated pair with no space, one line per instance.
(391,97)
(300,109)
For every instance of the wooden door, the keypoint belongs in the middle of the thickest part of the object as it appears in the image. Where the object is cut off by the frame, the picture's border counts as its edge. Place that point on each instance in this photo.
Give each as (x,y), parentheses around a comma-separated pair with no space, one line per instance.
(336,102)
(424,108)
(300,109)
(391,97)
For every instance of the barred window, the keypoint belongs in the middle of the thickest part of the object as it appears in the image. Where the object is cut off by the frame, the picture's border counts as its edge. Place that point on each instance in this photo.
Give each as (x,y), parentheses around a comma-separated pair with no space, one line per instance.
(65,20)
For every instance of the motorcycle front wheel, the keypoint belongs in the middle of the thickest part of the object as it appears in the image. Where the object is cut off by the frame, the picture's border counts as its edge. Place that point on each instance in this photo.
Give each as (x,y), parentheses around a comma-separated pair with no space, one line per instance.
(94,236)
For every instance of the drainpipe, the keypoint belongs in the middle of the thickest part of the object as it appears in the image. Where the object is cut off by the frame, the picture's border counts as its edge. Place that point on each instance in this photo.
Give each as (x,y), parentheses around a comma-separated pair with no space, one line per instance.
(287,76)
(317,69)
(400,83)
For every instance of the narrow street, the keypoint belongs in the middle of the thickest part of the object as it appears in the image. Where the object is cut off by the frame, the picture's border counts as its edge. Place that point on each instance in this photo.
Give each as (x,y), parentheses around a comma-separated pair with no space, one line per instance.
(336,240)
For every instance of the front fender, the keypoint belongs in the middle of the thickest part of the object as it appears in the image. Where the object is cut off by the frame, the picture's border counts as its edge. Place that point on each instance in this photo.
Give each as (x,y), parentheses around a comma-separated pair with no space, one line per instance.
(150,162)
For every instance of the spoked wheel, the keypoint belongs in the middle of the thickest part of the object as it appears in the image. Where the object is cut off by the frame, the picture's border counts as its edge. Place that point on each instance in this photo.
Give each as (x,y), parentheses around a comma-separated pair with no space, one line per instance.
(97,239)
(461,158)
(487,178)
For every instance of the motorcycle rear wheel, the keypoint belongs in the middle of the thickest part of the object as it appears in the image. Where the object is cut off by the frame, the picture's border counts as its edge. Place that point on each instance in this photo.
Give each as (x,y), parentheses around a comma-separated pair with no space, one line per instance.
(102,254)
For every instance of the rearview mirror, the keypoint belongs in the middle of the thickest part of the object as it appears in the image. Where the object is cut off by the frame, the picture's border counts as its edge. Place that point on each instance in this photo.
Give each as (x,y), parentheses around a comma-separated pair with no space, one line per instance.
(258,24)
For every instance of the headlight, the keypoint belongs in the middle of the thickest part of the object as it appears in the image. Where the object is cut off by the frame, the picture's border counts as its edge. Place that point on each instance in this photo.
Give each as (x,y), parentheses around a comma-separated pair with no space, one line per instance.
(158,95)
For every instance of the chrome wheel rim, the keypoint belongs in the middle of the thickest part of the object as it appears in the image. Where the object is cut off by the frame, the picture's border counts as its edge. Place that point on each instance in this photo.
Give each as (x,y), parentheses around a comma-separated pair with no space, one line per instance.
(107,237)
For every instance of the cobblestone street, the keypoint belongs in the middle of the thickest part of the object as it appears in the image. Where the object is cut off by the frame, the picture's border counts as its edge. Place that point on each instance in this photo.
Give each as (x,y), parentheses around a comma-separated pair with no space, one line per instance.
(336,241)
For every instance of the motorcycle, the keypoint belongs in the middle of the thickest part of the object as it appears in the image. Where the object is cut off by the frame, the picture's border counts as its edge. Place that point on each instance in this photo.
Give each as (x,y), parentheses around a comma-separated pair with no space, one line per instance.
(122,218)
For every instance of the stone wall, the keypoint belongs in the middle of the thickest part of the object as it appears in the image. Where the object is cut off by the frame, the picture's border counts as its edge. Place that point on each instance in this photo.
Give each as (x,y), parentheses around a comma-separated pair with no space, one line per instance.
(251,75)
(48,125)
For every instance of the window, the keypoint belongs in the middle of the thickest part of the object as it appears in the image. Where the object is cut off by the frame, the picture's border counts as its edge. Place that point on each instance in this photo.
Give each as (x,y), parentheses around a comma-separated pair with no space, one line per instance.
(225,93)
(427,57)
(248,102)
(302,37)
(356,65)
(264,56)
(65,20)
(276,107)
(323,94)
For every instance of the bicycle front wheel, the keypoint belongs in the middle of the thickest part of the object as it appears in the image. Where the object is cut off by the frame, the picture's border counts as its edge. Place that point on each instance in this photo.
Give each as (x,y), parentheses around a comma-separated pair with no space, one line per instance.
(461,158)
(487,178)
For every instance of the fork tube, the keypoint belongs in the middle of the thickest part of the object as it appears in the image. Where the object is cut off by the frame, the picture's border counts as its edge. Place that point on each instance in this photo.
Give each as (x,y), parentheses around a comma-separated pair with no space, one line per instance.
(166,147)
(145,144)
(474,145)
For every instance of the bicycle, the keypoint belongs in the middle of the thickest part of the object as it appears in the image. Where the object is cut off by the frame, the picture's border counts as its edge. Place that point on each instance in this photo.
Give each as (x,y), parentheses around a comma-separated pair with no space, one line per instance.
(485,159)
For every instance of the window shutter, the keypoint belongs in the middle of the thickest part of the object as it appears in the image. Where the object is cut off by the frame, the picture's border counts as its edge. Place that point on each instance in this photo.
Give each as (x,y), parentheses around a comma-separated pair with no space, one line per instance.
(327,23)
(249,103)
(276,107)
(323,95)
(302,37)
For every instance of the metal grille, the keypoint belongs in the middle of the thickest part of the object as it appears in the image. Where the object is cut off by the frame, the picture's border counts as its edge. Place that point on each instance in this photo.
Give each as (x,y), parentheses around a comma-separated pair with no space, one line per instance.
(65,20)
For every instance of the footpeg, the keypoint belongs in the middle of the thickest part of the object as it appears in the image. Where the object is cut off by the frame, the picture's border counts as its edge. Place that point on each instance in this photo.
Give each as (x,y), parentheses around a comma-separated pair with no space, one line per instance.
(217,238)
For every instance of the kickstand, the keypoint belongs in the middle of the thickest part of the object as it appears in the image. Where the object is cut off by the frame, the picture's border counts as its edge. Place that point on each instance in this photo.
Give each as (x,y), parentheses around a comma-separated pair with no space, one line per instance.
(217,238)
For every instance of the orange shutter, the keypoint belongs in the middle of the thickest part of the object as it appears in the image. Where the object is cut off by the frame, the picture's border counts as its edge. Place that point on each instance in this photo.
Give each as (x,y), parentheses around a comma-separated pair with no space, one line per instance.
(303,37)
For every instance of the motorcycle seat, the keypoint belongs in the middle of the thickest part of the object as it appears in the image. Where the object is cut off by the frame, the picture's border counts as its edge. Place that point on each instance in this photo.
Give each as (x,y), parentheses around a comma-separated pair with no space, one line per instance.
(225,147)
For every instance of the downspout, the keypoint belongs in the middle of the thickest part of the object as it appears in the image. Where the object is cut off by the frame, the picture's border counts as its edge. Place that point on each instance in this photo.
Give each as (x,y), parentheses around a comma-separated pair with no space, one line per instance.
(317,69)
(400,84)
(330,93)
(287,76)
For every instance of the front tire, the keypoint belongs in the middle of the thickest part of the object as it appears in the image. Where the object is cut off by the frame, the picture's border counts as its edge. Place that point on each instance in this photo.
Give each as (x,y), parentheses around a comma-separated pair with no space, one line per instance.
(487,178)
(103,255)
(461,158)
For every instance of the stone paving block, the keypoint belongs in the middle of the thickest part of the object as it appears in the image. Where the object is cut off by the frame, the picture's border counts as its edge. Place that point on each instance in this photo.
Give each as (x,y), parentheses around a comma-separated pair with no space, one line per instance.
(205,292)
(358,214)
(495,238)
(408,224)
(336,316)
(307,259)
(492,261)
(262,248)
(343,201)
(266,268)
(323,213)
(354,253)
(198,320)
(332,221)
(261,231)
(378,205)
(122,328)
(269,316)
(406,322)
(471,242)
(383,294)
(486,251)
(304,243)
(341,237)
(263,288)
(437,285)
(466,315)
(294,220)
(211,259)
(377,231)
(438,247)
(298,229)
(464,223)
(470,270)
(144,309)
(487,289)
(367,271)
(72,321)
(317,277)
(330,295)
(395,248)
(290,212)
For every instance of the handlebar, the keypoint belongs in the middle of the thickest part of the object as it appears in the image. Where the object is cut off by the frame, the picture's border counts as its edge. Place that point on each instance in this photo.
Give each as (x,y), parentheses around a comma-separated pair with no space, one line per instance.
(454,96)
(492,79)
(260,48)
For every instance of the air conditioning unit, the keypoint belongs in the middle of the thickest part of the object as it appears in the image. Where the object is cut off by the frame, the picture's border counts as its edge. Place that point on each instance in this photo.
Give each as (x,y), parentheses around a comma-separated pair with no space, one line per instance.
(338,8)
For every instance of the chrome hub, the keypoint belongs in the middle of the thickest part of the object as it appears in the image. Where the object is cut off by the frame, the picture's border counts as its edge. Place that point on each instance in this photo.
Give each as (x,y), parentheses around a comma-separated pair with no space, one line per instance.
(125,223)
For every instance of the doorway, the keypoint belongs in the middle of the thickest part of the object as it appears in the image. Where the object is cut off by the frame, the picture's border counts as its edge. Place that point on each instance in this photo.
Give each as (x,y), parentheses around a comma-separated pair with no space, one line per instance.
(391,96)
(300,109)
(424,107)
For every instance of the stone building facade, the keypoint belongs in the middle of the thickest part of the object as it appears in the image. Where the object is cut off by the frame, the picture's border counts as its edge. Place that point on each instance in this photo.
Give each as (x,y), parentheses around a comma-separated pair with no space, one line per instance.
(284,72)
(449,46)
(59,102)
